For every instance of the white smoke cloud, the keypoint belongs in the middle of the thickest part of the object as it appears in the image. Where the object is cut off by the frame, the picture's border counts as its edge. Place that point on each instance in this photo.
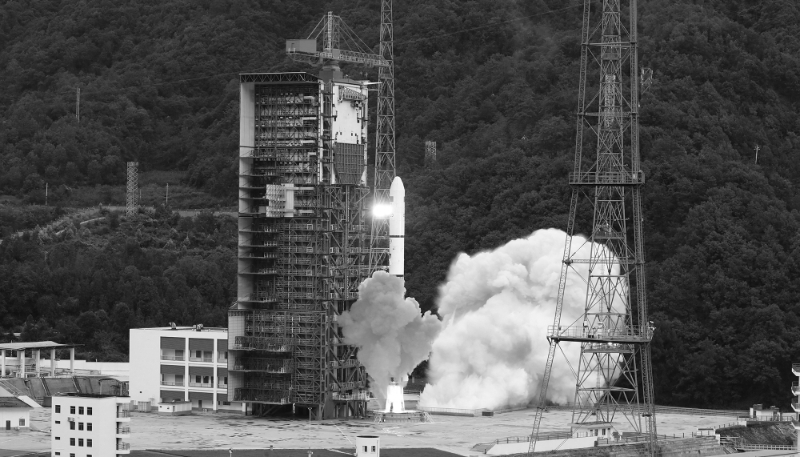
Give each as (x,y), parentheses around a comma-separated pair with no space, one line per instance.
(496,307)
(390,331)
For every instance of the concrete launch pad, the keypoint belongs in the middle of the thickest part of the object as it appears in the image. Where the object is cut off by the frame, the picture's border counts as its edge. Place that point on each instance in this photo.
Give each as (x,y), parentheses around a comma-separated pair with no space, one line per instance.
(223,431)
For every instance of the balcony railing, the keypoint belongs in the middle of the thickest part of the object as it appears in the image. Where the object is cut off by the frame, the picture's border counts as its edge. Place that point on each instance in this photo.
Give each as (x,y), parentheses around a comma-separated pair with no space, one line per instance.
(172,357)
(124,413)
(172,383)
(222,360)
(123,430)
(201,359)
(201,384)
(222,385)
(122,446)
(795,388)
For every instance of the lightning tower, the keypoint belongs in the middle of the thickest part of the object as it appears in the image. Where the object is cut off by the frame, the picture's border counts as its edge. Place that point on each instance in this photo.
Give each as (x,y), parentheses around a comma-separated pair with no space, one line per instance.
(132,191)
(384,144)
(614,376)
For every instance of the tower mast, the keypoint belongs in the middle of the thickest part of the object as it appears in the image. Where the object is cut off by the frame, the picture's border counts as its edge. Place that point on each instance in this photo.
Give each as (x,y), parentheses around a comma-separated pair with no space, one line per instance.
(385,170)
(614,376)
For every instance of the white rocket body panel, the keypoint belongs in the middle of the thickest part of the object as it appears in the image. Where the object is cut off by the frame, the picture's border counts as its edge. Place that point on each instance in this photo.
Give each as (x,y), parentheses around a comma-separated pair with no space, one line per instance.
(397,228)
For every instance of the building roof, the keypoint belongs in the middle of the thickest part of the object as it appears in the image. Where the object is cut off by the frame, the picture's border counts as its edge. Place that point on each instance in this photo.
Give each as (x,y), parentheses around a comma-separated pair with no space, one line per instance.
(186,329)
(36,345)
(13,402)
(87,395)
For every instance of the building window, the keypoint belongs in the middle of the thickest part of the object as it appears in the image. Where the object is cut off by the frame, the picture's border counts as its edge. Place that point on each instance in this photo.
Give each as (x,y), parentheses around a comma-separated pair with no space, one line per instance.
(80,425)
(80,442)
(58,422)
(58,438)
(72,410)
(80,409)
(365,449)
(71,455)
(22,422)
(198,379)
(89,411)
(72,441)
(58,408)
(373,448)
(89,442)
(72,425)
(89,427)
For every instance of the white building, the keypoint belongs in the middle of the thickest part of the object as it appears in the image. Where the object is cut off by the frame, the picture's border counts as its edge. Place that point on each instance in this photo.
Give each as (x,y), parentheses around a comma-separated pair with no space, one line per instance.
(15,413)
(181,364)
(90,425)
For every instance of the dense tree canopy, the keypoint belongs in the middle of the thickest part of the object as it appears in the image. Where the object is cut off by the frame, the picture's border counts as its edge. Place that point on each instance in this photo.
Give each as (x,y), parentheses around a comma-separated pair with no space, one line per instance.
(494,83)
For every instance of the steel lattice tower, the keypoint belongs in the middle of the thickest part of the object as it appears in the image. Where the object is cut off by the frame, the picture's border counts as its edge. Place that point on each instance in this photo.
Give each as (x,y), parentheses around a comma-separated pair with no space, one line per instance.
(384,145)
(132,193)
(614,373)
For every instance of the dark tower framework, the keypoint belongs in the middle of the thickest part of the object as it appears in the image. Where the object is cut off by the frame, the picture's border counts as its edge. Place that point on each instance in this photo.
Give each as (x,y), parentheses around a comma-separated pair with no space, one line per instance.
(385,169)
(614,373)
(303,247)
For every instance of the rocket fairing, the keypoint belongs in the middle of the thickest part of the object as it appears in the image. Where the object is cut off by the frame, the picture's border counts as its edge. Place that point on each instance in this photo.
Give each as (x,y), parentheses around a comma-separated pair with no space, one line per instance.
(397,228)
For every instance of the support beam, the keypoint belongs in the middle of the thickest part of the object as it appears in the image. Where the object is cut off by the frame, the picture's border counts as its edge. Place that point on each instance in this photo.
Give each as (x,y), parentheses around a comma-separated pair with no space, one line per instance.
(21,356)
(53,362)
(72,361)
(2,363)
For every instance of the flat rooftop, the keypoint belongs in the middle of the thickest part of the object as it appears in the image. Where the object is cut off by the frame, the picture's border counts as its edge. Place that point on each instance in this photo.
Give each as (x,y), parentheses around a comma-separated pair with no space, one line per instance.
(185,329)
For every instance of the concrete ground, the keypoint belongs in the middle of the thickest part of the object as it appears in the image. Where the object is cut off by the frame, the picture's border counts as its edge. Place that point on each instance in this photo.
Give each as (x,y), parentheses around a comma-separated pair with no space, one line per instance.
(223,431)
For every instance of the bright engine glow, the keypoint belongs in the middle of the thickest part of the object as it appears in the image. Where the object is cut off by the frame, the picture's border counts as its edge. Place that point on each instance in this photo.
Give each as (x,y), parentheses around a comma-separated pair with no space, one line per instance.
(382,211)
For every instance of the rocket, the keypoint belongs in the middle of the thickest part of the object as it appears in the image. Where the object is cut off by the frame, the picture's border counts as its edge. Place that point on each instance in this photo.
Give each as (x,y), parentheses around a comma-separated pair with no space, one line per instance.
(397,228)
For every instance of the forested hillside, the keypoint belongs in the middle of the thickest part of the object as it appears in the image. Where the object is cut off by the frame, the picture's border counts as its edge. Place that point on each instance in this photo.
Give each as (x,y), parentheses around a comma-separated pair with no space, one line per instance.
(495,84)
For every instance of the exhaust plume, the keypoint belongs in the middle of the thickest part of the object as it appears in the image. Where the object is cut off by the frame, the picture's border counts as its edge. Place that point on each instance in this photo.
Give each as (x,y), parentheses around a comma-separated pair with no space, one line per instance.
(495,308)
(390,331)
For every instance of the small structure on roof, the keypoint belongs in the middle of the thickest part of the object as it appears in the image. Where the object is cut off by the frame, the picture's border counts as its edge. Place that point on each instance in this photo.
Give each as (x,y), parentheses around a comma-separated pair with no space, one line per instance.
(14,361)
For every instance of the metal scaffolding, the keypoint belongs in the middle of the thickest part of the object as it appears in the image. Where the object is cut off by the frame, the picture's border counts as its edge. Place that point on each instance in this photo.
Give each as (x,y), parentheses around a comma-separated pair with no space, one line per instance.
(614,372)
(303,251)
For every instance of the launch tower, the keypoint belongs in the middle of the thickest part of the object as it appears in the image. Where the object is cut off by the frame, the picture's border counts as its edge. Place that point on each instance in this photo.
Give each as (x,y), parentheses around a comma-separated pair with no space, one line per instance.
(614,378)
(303,242)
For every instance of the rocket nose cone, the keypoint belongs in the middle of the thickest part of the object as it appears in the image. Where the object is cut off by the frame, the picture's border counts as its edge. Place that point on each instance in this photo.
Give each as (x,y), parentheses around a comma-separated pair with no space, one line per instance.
(397,189)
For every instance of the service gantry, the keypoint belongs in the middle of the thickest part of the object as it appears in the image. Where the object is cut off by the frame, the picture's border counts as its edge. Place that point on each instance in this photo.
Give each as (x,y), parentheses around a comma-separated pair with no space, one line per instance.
(614,373)
(304,238)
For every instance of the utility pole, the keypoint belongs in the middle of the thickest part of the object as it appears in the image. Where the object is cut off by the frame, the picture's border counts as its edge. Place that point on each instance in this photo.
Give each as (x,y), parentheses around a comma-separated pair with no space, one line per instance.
(45,194)
(757,149)
(166,197)
(78,104)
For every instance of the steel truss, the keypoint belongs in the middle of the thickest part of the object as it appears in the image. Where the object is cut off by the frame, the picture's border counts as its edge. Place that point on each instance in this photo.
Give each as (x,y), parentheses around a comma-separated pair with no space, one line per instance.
(385,169)
(614,374)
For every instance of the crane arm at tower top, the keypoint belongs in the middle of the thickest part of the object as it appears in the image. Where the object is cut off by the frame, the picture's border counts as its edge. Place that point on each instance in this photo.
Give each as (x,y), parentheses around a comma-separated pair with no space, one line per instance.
(308,49)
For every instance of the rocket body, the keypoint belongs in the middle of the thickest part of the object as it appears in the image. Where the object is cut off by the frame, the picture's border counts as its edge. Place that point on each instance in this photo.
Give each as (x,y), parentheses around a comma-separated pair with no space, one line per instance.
(397,228)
